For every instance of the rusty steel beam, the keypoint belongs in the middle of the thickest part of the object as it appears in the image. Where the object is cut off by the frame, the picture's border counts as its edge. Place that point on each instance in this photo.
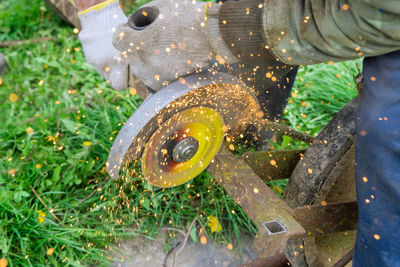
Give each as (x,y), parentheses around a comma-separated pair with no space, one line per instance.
(273,165)
(329,218)
(271,215)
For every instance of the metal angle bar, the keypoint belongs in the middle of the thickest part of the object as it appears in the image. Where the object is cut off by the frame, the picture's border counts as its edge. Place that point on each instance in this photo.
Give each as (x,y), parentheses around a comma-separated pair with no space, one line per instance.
(271,215)
(329,218)
(273,165)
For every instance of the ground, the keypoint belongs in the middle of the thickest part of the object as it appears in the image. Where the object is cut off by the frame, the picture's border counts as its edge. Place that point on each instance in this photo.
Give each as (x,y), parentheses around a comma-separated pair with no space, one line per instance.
(58,120)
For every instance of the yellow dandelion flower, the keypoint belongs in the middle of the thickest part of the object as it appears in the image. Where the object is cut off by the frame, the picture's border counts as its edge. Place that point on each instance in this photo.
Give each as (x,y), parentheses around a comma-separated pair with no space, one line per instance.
(3,262)
(13,98)
(38,166)
(41,215)
(87,143)
(1,81)
(29,130)
(203,240)
(278,189)
(50,251)
(132,91)
(103,170)
(214,224)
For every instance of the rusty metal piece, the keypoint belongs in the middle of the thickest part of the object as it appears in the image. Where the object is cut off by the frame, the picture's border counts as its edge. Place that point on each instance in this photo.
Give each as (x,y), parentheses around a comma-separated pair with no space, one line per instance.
(65,10)
(359,78)
(259,202)
(333,247)
(273,165)
(320,159)
(137,84)
(340,185)
(329,218)
(284,130)
(345,260)
(274,261)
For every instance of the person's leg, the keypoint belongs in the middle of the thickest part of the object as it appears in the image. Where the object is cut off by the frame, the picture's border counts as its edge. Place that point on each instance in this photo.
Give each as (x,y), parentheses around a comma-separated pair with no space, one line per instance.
(378,164)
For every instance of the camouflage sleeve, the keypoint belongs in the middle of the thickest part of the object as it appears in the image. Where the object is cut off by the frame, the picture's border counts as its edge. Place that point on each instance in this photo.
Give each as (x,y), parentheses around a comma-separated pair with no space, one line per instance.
(313,31)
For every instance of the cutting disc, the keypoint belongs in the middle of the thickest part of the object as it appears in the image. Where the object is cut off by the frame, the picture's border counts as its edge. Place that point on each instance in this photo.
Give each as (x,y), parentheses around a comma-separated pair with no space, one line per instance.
(199,102)
(182,147)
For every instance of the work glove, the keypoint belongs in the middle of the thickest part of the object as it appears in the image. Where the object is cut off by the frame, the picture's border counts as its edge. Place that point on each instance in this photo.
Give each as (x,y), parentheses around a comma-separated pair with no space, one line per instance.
(168,39)
(98,27)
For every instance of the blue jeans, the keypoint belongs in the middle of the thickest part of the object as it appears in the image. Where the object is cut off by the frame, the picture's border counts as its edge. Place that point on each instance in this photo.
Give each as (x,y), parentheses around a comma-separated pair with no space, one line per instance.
(378,164)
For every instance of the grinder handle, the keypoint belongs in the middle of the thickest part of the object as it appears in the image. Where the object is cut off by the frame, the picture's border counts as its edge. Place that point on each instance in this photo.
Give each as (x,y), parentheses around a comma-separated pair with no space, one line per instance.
(143,17)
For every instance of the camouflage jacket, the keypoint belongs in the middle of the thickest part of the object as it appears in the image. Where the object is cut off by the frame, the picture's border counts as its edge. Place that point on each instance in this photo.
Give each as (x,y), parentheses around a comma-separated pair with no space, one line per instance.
(301,32)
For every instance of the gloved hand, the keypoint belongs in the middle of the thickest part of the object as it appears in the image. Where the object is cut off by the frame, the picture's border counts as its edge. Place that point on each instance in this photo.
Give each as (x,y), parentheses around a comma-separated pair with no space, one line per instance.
(98,27)
(167,39)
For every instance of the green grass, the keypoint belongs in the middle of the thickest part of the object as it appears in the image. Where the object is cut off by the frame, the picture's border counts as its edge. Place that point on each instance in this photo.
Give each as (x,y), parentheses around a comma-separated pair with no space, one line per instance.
(67,105)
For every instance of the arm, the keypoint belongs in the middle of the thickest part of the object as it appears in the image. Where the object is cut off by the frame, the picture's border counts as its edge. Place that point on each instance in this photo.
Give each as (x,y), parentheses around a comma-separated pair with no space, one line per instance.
(99,19)
(310,31)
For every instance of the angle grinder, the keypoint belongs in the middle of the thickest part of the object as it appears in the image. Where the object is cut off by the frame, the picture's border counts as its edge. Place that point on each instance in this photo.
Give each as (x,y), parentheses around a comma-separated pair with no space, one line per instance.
(176,132)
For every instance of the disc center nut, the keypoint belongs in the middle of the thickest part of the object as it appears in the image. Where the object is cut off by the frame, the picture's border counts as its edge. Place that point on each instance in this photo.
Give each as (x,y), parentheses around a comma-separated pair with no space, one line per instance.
(185,149)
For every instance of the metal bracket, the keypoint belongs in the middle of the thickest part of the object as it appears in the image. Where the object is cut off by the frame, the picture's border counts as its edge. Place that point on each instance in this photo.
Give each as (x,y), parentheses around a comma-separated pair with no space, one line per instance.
(259,202)
(277,223)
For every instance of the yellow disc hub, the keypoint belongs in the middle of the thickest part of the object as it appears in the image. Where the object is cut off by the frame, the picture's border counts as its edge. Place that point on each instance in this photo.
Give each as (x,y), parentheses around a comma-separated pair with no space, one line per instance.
(200,125)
